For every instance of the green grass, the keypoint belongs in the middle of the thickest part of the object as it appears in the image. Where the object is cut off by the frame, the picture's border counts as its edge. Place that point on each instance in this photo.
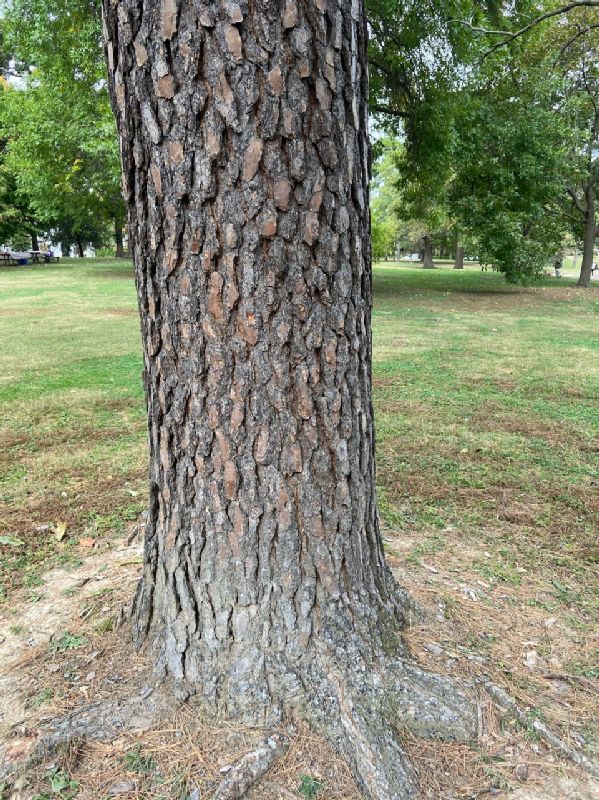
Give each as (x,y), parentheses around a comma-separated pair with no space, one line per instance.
(72,422)
(487,405)
(486,398)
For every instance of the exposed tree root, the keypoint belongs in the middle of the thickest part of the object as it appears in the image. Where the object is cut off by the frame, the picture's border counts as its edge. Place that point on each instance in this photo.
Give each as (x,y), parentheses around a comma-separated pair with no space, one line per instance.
(368,710)
(100,721)
(252,767)
(504,701)
(359,700)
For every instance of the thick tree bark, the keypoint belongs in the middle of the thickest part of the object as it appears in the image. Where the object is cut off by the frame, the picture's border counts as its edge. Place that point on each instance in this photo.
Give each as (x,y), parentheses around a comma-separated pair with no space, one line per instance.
(459,257)
(118,239)
(80,249)
(245,167)
(590,232)
(427,256)
(34,241)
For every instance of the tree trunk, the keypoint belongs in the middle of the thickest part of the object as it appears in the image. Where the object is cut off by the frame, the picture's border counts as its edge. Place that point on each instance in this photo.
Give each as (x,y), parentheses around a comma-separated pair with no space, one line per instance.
(34,241)
(459,258)
(118,239)
(80,249)
(265,589)
(590,232)
(427,258)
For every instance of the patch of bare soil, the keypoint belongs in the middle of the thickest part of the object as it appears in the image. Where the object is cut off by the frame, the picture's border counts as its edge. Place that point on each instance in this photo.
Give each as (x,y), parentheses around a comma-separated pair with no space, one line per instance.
(498,629)
(60,653)
(499,299)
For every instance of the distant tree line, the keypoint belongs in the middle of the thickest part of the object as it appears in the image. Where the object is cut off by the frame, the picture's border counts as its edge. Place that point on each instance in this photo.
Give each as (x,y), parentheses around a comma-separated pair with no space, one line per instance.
(485,115)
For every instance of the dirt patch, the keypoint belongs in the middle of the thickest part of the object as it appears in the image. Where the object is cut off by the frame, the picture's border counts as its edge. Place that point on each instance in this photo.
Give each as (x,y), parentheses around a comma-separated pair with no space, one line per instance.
(60,653)
(497,300)
(64,602)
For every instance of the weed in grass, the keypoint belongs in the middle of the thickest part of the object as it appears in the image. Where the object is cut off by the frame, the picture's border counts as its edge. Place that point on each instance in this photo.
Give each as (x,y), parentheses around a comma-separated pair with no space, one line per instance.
(16,630)
(309,787)
(33,579)
(498,571)
(60,785)
(141,763)
(68,641)
(106,626)
(42,697)
(102,592)
(564,594)
(590,669)
(434,544)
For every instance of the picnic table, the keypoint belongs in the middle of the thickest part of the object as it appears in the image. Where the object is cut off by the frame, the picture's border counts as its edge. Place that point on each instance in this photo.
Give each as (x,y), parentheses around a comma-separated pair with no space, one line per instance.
(14,258)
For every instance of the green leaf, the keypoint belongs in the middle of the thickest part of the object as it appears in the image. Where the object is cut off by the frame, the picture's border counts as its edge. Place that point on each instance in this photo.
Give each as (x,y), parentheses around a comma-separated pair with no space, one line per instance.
(12,541)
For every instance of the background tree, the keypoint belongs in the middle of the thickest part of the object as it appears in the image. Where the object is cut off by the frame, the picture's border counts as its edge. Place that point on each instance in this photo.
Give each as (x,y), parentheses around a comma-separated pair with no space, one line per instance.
(384,199)
(63,147)
(578,60)
(488,132)
(546,57)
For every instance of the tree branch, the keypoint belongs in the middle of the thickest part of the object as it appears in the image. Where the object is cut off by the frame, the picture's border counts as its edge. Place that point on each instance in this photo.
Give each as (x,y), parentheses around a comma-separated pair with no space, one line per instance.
(575,200)
(511,36)
(392,112)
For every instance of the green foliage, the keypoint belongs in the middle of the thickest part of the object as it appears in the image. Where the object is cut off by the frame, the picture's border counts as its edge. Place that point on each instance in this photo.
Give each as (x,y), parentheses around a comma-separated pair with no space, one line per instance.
(137,761)
(61,142)
(383,234)
(68,641)
(42,697)
(309,787)
(508,178)
(60,784)
(491,140)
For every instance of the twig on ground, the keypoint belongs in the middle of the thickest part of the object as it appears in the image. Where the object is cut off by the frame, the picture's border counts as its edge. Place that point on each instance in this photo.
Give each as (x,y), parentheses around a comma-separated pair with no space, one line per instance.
(252,767)
(580,680)
(504,701)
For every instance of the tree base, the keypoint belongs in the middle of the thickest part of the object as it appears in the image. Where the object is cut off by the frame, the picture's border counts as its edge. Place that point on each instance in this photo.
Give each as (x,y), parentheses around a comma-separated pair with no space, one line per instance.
(362,709)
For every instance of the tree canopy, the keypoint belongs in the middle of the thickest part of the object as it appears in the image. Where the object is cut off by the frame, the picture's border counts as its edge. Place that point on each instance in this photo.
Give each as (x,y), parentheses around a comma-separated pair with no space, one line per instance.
(60,138)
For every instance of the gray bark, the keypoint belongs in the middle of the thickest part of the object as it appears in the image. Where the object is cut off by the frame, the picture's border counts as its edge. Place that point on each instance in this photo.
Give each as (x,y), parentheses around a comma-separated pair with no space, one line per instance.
(459,257)
(590,232)
(245,168)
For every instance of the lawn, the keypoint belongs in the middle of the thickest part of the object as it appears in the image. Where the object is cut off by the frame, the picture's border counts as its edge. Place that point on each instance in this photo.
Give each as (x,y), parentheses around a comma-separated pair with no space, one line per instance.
(486,395)
(72,426)
(487,408)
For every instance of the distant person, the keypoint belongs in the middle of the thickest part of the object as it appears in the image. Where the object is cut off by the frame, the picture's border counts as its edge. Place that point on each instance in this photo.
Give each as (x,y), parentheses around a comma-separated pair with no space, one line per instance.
(558,264)
(594,268)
